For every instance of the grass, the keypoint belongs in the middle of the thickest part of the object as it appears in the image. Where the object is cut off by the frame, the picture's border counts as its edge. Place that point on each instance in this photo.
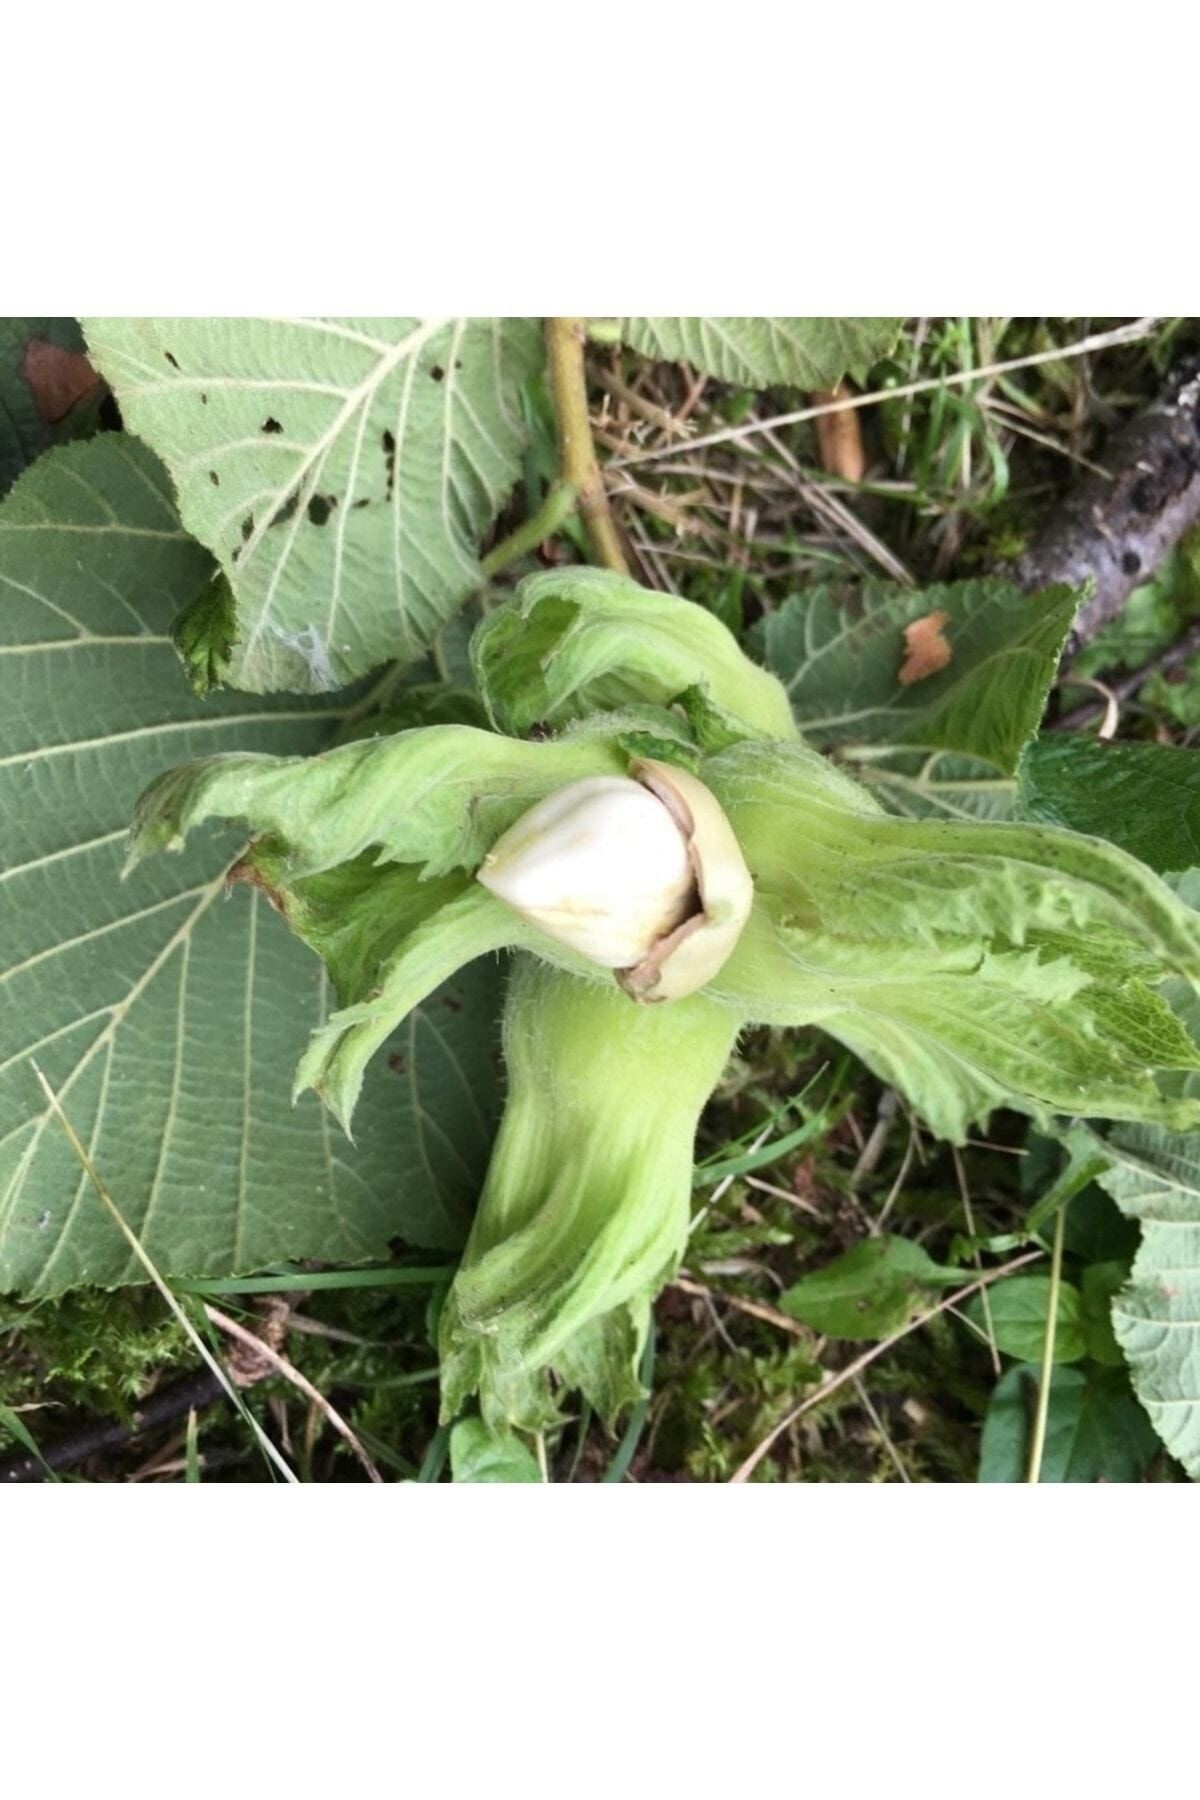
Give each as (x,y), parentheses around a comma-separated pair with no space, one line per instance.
(802,1154)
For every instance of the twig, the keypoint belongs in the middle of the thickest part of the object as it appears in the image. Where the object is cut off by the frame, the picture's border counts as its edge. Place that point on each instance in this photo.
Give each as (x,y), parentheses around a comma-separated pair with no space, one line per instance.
(754,1309)
(568,386)
(824,504)
(1113,530)
(166,1405)
(873,1149)
(89,1439)
(1101,340)
(869,1356)
(283,1367)
(1112,706)
(1127,685)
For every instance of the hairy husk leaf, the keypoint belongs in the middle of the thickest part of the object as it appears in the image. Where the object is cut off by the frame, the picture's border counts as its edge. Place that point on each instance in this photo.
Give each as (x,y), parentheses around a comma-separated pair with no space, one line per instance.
(585,1211)
(579,641)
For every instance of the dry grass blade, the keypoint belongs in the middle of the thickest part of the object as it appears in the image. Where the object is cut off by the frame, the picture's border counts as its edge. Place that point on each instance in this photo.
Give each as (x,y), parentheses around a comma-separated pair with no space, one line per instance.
(1101,340)
(254,1344)
(132,1240)
(754,1309)
(864,1361)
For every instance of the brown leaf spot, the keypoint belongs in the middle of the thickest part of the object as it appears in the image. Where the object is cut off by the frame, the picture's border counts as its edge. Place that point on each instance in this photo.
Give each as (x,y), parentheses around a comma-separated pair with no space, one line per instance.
(926,649)
(58,379)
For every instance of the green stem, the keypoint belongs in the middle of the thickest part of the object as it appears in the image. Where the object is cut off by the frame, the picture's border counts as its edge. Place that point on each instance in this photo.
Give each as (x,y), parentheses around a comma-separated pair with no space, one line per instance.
(554,511)
(580,470)
(1038,1441)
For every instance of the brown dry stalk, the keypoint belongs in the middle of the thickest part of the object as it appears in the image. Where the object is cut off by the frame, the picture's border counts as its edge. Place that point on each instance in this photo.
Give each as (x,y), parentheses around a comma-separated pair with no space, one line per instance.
(280,1364)
(565,339)
(754,1309)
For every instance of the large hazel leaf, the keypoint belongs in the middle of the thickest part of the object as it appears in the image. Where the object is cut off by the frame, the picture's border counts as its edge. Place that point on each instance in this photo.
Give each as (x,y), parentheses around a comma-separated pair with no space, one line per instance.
(1144,797)
(168,1018)
(342,471)
(961,669)
(1155,1179)
(805,353)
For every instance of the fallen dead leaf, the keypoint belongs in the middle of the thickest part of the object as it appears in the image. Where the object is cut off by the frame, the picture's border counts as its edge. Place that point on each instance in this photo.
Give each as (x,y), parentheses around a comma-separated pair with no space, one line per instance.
(926,649)
(58,379)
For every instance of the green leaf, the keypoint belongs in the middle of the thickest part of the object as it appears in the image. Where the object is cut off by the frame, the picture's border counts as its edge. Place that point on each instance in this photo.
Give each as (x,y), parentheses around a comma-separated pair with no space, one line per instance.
(1074,1177)
(1099,1285)
(205,633)
(873,1290)
(1155,1179)
(16,1428)
(1144,797)
(480,1454)
(168,1018)
(804,353)
(47,393)
(342,471)
(575,641)
(1095,1429)
(963,668)
(1019,1309)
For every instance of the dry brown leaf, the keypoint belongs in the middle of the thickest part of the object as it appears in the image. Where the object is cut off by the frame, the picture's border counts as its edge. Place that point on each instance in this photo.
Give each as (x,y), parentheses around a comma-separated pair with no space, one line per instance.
(926,649)
(58,379)
(839,437)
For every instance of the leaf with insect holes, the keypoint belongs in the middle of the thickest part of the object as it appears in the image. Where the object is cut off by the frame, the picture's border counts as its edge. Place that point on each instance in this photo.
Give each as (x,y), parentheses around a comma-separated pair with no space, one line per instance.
(759,353)
(342,471)
(168,1017)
